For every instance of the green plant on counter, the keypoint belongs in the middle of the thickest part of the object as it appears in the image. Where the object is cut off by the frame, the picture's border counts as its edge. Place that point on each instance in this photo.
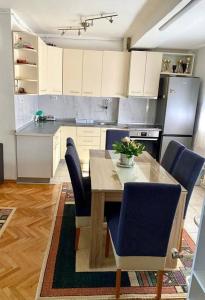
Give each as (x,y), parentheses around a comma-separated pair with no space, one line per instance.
(128,147)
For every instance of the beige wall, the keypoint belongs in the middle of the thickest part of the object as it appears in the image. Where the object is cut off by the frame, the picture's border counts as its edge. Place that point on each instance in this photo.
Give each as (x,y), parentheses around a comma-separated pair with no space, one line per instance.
(7,117)
(199,141)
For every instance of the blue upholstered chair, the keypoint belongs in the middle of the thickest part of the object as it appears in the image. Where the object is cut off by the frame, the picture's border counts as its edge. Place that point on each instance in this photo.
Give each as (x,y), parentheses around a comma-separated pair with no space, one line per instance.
(171,155)
(186,172)
(86,179)
(140,229)
(114,135)
(81,189)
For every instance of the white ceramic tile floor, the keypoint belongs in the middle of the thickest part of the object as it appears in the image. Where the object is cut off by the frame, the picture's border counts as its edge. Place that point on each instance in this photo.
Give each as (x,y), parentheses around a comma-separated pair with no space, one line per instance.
(194,209)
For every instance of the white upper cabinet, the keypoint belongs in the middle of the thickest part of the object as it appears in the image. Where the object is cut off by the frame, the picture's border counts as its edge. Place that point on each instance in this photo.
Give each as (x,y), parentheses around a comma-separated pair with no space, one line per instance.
(54,60)
(92,73)
(137,73)
(42,66)
(145,68)
(72,71)
(152,74)
(115,73)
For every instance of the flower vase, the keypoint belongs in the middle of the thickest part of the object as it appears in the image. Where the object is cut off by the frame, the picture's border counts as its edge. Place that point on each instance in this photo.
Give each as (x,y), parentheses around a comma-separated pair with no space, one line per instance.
(126,161)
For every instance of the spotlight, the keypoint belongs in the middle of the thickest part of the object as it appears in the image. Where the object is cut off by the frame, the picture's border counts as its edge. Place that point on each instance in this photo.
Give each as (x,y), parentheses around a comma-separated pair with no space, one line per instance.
(111,20)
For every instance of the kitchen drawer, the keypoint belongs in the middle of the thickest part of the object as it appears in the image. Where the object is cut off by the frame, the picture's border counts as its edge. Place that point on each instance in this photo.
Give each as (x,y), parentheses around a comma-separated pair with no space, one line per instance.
(88,140)
(83,152)
(88,131)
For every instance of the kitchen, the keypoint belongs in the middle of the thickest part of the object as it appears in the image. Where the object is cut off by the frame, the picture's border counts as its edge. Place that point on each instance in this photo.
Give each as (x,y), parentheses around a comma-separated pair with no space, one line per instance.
(63,83)
(58,74)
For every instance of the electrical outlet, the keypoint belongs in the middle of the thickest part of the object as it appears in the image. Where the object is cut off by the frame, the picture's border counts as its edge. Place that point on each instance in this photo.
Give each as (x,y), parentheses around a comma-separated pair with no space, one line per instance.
(53,97)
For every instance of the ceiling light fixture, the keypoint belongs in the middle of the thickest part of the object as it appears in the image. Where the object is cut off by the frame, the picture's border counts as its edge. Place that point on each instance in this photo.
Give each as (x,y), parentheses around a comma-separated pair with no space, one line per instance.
(179,14)
(87,22)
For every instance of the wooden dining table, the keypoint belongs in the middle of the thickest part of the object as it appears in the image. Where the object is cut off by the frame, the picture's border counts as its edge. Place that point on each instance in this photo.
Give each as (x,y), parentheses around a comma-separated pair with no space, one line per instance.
(107,184)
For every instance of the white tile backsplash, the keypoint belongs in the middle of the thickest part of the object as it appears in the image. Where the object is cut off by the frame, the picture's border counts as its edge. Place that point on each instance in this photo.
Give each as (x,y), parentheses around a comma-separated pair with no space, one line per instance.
(65,107)
(131,110)
(25,107)
(137,110)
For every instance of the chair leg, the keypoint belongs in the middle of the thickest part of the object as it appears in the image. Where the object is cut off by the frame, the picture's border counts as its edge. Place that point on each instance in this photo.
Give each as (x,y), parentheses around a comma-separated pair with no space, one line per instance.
(107,243)
(159,284)
(118,283)
(77,236)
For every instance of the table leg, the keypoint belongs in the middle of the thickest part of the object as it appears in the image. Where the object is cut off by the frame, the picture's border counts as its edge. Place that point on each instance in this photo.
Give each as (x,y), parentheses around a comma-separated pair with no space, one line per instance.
(97,218)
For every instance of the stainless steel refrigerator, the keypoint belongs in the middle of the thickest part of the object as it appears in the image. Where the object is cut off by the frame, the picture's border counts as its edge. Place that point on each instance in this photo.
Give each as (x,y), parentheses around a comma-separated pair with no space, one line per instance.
(176,109)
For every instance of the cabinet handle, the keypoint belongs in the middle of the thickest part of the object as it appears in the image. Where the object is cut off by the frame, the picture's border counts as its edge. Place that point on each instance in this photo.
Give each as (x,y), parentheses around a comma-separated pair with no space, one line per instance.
(134,92)
(88,93)
(74,92)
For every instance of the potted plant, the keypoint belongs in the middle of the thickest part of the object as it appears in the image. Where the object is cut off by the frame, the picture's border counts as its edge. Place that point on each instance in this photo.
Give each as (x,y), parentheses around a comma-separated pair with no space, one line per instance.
(128,149)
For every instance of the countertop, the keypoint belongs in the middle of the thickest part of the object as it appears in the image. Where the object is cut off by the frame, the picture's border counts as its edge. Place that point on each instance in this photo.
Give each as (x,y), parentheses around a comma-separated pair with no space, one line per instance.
(49,128)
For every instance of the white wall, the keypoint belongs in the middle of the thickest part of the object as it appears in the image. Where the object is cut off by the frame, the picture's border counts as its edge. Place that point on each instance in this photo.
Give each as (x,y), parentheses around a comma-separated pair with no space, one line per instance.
(199,140)
(7,117)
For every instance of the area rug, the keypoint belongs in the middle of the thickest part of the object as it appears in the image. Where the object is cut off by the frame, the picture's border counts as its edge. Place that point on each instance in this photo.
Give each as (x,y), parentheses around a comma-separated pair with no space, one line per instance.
(60,280)
(6,214)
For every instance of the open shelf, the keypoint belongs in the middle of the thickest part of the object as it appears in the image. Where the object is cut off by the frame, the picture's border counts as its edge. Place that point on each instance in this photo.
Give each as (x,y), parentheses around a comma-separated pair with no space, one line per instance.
(26,79)
(26,49)
(27,65)
(25,73)
(176,74)
(183,62)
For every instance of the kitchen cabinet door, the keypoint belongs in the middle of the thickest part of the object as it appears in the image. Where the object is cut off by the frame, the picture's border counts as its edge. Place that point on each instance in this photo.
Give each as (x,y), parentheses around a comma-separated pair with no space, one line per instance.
(67,131)
(72,71)
(92,73)
(115,73)
(56,151)
(42,66)
(54,70)
(152,74)
(137,73)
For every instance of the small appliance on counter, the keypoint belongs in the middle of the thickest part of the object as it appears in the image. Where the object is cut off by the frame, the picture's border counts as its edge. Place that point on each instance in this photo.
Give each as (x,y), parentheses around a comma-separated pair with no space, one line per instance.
(39,117)
(50,118)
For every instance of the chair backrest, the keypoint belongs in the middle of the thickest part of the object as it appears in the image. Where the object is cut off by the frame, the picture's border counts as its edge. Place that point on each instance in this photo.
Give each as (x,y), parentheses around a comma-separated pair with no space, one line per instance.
(186,172)
(171,155)
(146,218)
(76,177)
(114,135)
(70,142)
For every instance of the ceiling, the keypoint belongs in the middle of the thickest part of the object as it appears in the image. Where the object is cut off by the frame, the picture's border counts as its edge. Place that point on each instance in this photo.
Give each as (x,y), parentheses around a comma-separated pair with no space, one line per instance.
(45,16)
(185,32)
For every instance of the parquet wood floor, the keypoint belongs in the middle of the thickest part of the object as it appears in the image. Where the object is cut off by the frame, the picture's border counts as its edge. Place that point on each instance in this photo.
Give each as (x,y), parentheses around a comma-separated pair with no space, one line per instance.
(23,244)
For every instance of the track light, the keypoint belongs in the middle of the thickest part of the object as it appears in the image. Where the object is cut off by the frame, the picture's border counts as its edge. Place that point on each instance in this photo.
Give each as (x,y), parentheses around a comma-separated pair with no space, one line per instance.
(88,22)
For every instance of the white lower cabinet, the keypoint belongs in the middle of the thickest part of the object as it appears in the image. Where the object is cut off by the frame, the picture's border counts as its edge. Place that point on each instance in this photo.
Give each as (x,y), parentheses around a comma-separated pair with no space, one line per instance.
(38,156)
(66,131)
(35,156)
(56,150)
(87,138)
